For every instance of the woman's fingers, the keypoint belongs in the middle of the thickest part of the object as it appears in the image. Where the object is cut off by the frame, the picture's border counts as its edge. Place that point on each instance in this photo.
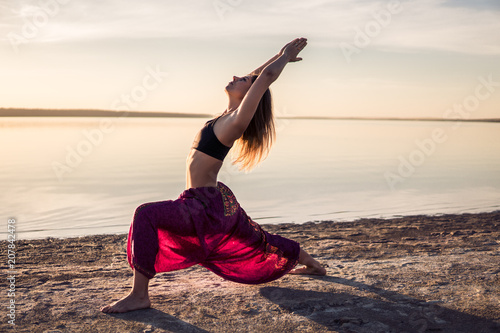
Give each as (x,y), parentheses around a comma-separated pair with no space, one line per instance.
(300,40)
(297,42)
(293,48)
(300,43)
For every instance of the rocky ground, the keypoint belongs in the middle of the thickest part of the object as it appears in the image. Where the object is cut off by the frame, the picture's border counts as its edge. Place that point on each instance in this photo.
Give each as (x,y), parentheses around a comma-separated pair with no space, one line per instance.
(410,274)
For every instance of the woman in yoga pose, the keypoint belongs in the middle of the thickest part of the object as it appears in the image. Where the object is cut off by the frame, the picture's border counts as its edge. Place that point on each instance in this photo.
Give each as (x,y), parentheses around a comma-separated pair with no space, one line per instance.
(206,225)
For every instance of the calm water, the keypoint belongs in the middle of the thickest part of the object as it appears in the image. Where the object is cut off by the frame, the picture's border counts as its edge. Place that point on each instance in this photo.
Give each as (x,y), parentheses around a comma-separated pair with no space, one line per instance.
(78,176)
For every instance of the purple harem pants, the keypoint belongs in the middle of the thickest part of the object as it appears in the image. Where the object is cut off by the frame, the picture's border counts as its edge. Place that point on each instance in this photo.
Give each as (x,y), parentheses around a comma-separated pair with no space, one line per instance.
(207,226)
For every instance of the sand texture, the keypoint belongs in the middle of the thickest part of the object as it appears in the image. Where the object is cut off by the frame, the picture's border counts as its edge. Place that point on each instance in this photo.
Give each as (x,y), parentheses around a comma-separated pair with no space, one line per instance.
(411,274)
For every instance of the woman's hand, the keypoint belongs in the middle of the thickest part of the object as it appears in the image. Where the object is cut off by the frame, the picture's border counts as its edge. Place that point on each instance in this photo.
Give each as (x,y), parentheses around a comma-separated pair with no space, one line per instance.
(292,49)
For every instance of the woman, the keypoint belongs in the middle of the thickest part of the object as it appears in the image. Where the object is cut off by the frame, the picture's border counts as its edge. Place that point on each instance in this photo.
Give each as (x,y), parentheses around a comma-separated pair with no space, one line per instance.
(206,225)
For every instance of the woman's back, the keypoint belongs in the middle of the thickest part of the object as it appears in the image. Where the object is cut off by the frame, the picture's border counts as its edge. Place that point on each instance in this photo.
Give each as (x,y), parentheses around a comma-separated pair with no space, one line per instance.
(201,169)
(207,154)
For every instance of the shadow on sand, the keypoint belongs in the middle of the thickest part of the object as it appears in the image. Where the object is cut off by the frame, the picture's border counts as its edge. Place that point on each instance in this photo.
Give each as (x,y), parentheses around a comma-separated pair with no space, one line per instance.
(158,319)
(379,311)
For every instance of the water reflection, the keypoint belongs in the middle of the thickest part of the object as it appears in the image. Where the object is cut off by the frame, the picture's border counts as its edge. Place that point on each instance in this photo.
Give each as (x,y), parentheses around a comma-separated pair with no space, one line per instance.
(318,169)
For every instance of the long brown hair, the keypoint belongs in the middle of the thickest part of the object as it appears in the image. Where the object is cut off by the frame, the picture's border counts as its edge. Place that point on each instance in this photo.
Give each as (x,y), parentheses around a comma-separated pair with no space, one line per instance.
(255,143)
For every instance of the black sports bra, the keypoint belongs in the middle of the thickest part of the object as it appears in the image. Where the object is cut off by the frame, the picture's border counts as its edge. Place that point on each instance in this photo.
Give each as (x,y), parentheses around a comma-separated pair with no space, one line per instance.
(208,143)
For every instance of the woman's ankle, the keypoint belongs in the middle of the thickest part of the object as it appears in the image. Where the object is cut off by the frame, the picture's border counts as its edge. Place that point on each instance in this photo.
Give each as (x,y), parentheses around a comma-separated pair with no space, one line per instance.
(140,293)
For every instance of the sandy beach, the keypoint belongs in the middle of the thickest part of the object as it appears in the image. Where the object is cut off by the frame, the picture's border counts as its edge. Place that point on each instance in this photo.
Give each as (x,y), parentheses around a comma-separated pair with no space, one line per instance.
(410,274)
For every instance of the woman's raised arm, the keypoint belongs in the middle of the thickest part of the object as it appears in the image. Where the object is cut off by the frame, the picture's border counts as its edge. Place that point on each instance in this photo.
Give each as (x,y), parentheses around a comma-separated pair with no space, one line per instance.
(245,112)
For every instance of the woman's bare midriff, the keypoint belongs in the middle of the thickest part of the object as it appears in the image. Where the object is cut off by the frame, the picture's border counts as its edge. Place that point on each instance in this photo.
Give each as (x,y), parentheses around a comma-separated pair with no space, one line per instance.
(201,169)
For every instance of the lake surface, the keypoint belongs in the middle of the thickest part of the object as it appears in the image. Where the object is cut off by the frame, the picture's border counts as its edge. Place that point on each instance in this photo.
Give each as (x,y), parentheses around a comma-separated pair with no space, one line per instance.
(64,177)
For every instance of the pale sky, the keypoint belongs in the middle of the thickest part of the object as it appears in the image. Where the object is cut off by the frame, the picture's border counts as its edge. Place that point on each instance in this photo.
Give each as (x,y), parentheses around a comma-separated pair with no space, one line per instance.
(425,58)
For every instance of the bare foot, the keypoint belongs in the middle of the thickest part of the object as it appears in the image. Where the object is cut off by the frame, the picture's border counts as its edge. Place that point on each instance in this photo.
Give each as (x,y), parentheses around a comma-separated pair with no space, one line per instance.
(312,267)
(309,270)
(128,303)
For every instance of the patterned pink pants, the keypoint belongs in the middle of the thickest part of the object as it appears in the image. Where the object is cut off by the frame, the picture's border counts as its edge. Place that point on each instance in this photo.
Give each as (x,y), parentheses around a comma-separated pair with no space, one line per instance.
(207,226)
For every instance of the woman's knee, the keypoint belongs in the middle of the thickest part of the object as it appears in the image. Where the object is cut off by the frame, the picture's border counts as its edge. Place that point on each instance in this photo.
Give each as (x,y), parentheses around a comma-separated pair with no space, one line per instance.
(142,213)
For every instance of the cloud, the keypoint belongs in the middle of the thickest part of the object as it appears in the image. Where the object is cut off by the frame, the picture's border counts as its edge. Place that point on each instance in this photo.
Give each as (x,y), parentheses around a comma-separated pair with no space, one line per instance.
(434,25)
(421,25)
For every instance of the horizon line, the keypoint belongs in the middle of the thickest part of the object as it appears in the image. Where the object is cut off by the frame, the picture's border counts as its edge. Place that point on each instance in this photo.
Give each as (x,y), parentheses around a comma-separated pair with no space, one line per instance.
(27,112)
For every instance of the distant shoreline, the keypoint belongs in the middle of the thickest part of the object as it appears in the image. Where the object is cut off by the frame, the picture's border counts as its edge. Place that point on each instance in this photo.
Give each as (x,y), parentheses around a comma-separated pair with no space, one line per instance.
(12,112)
(95,113)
